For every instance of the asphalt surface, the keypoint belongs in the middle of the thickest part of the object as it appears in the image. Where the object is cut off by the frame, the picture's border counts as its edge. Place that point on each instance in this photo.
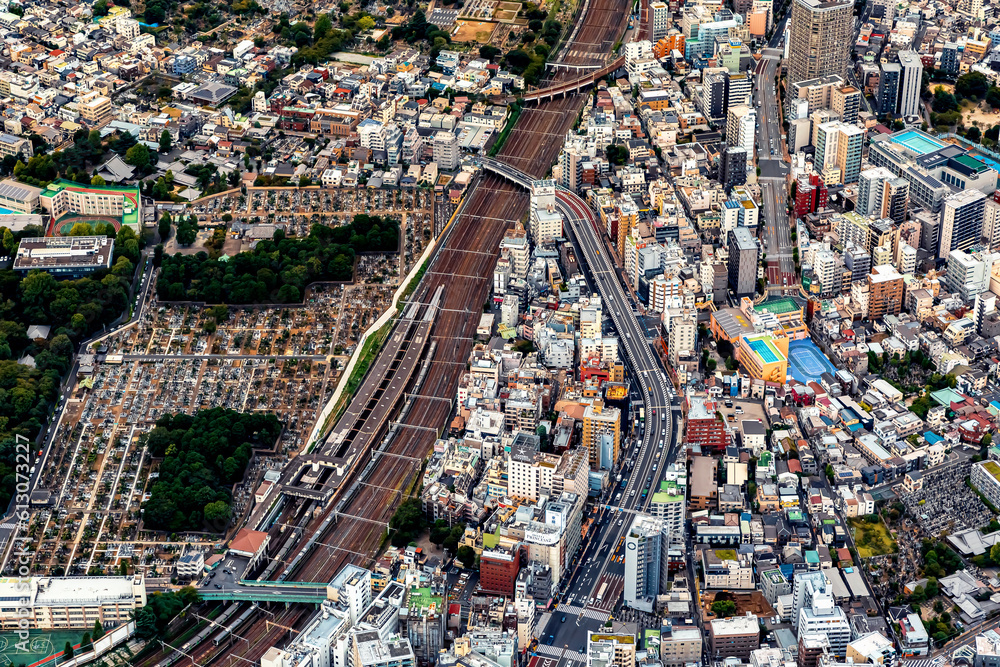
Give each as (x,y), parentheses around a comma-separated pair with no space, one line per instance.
(776,230)
(563,633)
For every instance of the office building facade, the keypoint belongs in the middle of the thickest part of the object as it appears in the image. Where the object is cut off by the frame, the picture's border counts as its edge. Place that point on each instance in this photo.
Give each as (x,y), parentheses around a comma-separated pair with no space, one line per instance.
(961,221)
(743,253)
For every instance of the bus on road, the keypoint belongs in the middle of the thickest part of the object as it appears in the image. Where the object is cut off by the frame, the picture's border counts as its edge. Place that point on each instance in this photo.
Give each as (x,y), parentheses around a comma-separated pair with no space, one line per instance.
(600,593)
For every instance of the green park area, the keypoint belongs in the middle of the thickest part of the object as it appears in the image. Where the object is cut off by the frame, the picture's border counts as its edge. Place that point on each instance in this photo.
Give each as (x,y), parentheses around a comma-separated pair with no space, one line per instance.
(872,538)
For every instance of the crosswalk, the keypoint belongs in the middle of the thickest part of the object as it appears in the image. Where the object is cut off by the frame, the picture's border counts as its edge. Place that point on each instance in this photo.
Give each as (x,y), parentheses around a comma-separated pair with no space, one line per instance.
(556,652)
(923,662)
(570,609)
(597,615)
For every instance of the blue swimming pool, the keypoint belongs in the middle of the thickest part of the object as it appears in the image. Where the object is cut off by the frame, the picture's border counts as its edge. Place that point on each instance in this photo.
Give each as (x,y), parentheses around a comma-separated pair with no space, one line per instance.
(5,211)
(764,351)
(917,141)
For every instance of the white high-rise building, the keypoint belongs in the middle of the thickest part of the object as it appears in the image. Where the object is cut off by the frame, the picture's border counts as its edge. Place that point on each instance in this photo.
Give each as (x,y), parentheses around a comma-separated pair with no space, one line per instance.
(909,85)
(646,562)
(446,151)
(991,225)
(741,126)
(545,221)
(661,19)
(969,272)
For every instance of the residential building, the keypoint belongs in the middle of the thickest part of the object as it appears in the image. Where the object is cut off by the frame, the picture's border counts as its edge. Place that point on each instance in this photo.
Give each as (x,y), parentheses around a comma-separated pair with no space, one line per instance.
(446,150)
(610,649)
(885,292)
(909,85)
(646,562)
(961,221)
(599,420)
(819,38)
(969,273)
(734,637)
(985,476)
(743,254)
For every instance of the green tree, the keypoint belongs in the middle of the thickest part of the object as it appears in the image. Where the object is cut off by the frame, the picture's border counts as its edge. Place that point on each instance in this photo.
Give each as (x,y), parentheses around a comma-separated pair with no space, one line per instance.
(943,101)
(467,555)
(98,628)
(616,154)
(217,514)
(993,97)
(138,156)
(68,651)
(166,141)
(407,522)
(81,229)
(724,608)
(187,233)
(973,134)
(163,228)
(98,180)
(972,85)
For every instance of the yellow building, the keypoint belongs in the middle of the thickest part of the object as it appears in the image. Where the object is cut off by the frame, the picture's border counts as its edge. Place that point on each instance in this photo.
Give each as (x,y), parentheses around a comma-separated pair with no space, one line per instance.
(764,356)
(599,420)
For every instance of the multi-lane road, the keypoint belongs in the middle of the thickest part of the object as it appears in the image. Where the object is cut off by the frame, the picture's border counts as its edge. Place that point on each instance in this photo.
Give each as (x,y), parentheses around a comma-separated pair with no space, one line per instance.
(594,588)
(776,233)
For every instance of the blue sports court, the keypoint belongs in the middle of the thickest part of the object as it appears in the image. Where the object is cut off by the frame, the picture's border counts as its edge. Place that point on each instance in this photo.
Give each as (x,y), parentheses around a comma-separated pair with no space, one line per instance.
(806,362)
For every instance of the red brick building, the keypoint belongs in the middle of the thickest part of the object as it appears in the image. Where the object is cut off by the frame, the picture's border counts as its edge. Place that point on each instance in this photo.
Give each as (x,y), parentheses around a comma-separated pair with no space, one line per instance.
(710,434)
(498,570)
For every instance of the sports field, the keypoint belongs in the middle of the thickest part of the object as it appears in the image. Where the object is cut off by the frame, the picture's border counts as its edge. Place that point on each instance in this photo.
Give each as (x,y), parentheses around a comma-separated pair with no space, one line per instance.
(806,361)
(40,645)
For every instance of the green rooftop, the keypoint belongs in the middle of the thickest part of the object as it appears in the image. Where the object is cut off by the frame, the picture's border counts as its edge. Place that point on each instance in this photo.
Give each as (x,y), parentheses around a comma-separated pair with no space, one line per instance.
(946,397)
(421,598)
(970,162)
(993,469)
(669,493)
(779,306)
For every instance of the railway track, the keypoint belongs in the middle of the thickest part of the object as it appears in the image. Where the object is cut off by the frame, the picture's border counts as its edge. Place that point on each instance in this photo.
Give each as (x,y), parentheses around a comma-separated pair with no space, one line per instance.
(491,209)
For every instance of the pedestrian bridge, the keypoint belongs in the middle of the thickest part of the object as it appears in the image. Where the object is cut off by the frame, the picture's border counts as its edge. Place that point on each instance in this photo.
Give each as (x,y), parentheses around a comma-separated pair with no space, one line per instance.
(254,590)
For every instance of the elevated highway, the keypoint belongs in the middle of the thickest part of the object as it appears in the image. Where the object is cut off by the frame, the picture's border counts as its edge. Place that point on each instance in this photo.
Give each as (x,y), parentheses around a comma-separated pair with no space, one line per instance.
(642,467)
(574,86)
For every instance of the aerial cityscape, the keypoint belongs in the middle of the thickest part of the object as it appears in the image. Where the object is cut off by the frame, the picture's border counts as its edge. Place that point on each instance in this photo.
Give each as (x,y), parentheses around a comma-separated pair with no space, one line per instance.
(500,333)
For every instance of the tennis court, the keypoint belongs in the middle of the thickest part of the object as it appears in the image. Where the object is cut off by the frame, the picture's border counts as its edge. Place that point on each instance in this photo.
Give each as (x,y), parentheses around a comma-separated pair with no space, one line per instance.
(807,362)
(40,645)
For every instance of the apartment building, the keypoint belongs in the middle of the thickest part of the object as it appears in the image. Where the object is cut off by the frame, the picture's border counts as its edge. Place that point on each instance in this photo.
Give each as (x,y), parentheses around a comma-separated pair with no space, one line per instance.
(885,291)
(734,637)
(600,420)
